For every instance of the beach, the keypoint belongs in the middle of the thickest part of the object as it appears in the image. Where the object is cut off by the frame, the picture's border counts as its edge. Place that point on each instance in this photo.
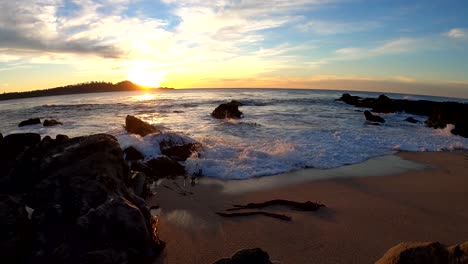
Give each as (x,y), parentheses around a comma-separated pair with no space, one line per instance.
(409,196)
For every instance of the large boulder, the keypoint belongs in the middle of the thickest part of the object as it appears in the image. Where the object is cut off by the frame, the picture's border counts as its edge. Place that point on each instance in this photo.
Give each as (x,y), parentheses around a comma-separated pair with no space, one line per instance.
(51,122)
(134,125)
(227,110)
(30,122)
(132,154)
(15,230)
(83,209)
(247,256)
(425,253)
(373,118)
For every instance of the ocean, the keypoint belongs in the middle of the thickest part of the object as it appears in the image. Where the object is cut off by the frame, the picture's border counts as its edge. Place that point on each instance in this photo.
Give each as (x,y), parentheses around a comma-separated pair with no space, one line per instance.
(282,130)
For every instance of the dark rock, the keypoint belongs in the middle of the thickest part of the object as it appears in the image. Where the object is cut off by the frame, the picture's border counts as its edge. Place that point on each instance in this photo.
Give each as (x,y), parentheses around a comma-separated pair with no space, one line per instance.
(247,256)
(51,122)
(15,230)
(132,153)
(1,138)
(179,152)
(136,126)
(412,120)
(163,167)
(227,110)
(83,210)
(425,253)
(139,183)
(234,102)
(29,122)
(440,114)
(373,118)
(12,147)
(61,138)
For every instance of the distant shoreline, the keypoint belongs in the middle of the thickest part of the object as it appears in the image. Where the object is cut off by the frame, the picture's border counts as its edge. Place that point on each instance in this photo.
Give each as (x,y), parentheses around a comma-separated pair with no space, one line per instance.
(82,88)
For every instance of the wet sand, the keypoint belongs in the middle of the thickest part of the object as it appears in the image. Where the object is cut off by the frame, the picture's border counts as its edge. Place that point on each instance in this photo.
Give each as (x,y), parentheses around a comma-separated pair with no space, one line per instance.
(370,207)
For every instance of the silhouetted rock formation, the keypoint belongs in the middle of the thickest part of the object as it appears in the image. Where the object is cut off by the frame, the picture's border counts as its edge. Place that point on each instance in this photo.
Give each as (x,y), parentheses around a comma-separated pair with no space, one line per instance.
(412,120)
(227,110)
(373,118)
(157,168)
(15,228)
(247,256)
(132,153)
(29,122)
(137,126)
(179,152)
(90,87)
(425,253)
(83,210)
(51,122)
(439,114)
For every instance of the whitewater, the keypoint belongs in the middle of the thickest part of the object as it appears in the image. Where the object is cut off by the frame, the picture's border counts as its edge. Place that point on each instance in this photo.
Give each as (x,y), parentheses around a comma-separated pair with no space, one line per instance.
(282,130)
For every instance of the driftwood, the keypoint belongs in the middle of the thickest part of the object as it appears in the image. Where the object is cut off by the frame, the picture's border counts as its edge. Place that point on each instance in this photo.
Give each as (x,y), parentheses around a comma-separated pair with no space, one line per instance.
(277,216)
(306,206)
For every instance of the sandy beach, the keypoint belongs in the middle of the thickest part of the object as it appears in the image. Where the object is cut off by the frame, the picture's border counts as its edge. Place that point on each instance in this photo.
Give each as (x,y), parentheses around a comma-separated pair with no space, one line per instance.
(370,208)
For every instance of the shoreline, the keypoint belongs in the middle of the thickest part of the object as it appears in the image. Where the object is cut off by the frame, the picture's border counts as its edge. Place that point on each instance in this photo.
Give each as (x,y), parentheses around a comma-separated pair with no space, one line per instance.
(423,200)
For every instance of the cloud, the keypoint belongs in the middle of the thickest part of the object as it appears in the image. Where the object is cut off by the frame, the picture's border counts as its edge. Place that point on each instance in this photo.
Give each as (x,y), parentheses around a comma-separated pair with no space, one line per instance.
(332,27)
(457,33)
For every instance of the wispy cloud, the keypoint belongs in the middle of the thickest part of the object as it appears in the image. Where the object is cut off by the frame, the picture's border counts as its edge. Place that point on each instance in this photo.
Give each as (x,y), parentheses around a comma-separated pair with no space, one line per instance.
(457,33)
(335,27)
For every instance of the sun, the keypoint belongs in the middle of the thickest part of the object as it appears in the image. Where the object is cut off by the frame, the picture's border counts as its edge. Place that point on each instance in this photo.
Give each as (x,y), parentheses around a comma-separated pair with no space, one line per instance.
(146,78)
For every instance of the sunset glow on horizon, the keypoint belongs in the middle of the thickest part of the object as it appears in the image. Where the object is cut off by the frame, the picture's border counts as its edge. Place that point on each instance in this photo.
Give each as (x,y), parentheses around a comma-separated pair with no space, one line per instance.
(392,46)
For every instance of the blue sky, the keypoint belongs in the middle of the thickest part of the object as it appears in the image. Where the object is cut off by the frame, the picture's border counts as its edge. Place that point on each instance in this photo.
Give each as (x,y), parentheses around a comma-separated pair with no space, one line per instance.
(399,46)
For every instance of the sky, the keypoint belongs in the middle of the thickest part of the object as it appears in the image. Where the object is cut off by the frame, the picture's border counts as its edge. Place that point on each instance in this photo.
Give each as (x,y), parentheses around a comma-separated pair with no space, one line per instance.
(416,47)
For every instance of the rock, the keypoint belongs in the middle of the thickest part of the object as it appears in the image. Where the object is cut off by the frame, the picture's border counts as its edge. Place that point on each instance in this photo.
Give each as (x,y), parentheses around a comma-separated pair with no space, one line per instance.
(132,153)
(227,110)
(51,122)
(83,210)
(440,114)
(179,152)
(373,118)
(247,256)
(1,138)
(136,126)
(61,138)
(29,122)
(163,167)
(425,253)
(15,230)
(412,120)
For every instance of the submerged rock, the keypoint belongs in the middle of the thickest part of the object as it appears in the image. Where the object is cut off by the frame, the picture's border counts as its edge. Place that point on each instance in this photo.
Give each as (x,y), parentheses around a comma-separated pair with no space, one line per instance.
(137,126)
(412,120)
(29,122)
(425,253)
(373,118)
(51,122)
(163,167)
(247,256)
(132,153)
(227,110)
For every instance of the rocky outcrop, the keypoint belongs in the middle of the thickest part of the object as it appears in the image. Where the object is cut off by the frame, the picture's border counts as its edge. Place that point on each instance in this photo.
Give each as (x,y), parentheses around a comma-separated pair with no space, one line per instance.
(247,256)
(179,152)
(161,167)
(51,122)
(134,125)
(29,122)
(373,118)
(425,253)
(83,210)
(15,230)
(227,110)
(439,114)
(132,154)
